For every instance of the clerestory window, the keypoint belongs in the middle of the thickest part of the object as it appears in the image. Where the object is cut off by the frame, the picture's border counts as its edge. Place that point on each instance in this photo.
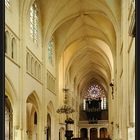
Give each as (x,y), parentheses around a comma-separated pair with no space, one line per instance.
(34,22)
(51,51)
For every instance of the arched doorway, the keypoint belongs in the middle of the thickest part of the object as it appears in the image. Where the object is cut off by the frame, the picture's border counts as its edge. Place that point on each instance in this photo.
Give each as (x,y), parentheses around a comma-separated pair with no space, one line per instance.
(83,133)
(32,121)
(34,137)
(93,133)
(61,133)
(48,127)
(103,133)
(32,117)
(50,122)
(8,119)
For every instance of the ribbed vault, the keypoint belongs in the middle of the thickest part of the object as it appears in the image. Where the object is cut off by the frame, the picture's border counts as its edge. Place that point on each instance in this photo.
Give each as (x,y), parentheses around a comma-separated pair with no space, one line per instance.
(85,33)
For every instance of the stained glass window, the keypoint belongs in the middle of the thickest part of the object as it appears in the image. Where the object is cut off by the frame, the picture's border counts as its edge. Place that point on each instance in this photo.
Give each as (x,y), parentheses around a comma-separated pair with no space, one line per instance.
(34,22)
(51,49)
(94,91)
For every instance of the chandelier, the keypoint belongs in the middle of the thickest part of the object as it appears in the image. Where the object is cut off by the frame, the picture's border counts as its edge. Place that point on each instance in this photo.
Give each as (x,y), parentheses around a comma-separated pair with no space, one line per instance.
(65,109)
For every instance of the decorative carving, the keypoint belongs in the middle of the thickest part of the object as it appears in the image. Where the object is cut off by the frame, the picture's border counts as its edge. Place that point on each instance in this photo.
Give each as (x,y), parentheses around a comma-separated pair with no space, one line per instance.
(112,86)
(45,129)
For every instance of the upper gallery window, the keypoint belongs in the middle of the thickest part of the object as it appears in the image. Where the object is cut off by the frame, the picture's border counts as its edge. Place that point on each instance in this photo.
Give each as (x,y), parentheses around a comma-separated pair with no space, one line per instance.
(7,3)
(34,22)
(51,51)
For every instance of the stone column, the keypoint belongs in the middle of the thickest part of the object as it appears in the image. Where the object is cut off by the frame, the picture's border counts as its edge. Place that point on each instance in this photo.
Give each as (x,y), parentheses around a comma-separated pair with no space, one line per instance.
(98,132)
(79,132)
(88,131)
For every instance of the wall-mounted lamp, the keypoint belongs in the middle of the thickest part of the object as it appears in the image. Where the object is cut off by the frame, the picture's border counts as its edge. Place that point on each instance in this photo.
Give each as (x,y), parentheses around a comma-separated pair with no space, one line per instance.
(112,123)
(112,85)
(65,90)
(45,129)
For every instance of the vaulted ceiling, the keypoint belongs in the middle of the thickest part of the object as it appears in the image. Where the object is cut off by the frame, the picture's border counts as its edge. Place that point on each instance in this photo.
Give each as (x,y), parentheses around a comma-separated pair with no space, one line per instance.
(86,33)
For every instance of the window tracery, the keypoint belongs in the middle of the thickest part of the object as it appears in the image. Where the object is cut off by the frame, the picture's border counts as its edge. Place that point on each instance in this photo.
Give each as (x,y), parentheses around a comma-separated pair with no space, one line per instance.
(95,92)
(51,51)
(34,22)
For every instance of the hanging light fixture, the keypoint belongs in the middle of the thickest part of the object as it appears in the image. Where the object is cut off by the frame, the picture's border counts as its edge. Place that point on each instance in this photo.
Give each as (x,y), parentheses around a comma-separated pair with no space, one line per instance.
(65,109)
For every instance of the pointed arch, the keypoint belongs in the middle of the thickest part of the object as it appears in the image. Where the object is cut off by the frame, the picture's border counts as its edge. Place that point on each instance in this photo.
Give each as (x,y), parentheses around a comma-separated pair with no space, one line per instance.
(34,99)
(33,117)
(50,107)
(10,90)
(51,112)
(61,133)
(10,101)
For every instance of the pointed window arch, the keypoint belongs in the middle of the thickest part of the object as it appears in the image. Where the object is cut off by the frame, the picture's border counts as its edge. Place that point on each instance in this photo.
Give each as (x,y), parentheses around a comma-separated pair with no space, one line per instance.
(51,51)
(13,49)
(34,22)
